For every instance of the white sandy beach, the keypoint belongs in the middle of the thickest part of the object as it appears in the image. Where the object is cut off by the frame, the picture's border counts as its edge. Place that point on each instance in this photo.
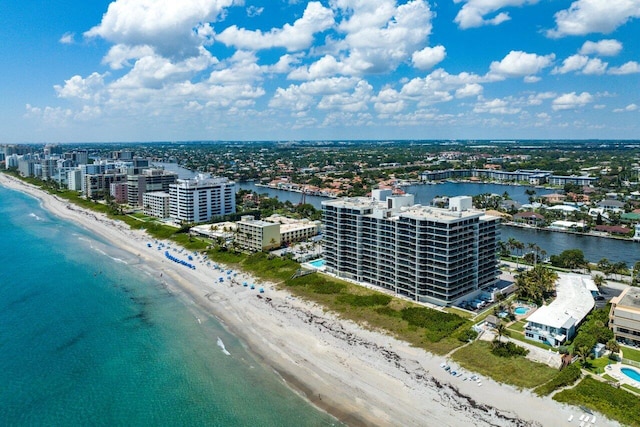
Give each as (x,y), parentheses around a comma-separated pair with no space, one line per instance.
(359,376)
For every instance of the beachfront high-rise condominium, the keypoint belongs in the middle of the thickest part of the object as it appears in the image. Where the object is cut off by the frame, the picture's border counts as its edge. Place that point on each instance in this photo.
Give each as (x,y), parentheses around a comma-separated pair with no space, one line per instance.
(157,204)
(202,198)
(428,254)
(148,180)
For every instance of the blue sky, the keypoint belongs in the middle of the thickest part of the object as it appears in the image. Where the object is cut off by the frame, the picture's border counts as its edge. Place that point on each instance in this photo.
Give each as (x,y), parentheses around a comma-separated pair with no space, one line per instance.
(158,70)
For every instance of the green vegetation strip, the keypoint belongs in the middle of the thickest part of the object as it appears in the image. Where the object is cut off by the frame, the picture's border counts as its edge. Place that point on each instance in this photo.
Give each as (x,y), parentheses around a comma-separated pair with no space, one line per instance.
(631,388)
(596,366)
(564,378)
(517,326)
(630,353)
(612,402)
(433,330)
(436,331)
(521,338)
(516,371)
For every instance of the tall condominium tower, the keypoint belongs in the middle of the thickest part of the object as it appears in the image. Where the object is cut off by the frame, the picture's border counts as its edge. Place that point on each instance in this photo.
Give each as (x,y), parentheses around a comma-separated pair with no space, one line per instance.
(202,198)
(428,254)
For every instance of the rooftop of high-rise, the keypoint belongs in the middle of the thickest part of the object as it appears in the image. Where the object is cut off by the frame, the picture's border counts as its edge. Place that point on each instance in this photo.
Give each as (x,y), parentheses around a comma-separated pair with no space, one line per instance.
(403,206)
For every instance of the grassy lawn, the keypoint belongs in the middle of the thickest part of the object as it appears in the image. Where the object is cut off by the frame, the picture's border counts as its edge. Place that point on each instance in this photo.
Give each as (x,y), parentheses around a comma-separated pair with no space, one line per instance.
(140,217)
(517,371)
(612,402)
(631,388)
(630,353)
(597,365)
(459,312)
(518,326)
(521,338)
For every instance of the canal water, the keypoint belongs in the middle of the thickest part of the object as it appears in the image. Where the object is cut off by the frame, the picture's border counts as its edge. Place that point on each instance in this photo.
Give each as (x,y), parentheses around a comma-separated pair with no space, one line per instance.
(594,248)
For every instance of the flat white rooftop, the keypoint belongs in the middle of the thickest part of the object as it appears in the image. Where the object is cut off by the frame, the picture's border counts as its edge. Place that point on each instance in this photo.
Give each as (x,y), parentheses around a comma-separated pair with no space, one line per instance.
(415,211)
(573,302)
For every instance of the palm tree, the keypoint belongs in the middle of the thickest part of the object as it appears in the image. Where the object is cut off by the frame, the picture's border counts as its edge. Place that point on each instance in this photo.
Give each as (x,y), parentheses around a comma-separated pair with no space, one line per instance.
(604,265)
(620,268)
(536,252)
(613,346)
(582,352)
(501,331)
(635,273)
(599,280)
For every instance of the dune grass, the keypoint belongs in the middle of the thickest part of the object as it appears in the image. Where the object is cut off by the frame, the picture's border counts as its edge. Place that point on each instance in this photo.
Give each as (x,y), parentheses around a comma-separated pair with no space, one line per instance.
(612,402)
(517,371)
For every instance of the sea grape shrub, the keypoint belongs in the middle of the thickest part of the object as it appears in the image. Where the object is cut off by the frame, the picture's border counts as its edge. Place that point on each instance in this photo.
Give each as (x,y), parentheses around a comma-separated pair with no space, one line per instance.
(508,349)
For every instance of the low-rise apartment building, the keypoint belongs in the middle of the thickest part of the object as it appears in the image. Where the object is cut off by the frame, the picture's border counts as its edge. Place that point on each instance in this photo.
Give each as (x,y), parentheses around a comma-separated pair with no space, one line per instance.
(624,317)
(256,234)
(557,322)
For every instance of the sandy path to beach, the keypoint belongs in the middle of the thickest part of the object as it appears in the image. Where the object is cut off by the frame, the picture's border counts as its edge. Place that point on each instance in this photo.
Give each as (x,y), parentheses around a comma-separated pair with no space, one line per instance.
(359,376)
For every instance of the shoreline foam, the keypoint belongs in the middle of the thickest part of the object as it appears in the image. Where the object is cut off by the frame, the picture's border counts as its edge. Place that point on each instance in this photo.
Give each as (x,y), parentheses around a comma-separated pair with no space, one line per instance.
(359,376)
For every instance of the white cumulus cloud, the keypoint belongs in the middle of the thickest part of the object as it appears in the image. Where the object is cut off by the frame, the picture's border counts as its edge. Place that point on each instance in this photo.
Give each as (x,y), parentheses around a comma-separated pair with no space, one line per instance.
(520,64)
(495,106)
(569,101)
(315,19)
(378,35)
(253,11)
(631,67)
(594,16)
(474,12)
(595,66)
(601,48)
(428,57)
(470,89)
(572,63)
(628,108)
(81,88)
(172,28)
(67,38)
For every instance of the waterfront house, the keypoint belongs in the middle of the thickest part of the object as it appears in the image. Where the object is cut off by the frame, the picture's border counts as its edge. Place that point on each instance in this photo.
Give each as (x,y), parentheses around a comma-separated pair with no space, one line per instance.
(630,217)
(510,205)
(612,205)
(530,218)
(613,229)
(554,198)
(557,322)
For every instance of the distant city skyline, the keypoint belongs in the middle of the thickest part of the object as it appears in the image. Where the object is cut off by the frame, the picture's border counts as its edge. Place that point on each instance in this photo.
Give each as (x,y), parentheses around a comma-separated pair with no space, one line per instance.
(166,70)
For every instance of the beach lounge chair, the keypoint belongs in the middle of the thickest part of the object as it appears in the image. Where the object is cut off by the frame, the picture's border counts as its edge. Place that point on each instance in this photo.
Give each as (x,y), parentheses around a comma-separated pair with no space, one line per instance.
(570,418)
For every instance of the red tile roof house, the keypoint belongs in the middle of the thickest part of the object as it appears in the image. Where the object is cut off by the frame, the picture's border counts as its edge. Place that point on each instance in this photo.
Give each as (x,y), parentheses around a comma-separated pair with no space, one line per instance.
(529,217)
(613,229)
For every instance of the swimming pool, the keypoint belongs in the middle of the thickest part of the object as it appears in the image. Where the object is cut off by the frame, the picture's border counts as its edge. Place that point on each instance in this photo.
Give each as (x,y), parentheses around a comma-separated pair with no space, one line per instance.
(631,373)
(318,263)
(521,310)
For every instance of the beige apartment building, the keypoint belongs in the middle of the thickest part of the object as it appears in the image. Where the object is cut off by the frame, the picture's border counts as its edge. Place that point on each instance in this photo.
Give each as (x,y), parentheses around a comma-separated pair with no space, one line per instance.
(624,317)
(256,234)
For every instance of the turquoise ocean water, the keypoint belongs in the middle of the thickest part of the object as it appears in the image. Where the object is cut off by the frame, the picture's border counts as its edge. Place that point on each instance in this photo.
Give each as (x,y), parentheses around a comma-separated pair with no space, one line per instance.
(89,338)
